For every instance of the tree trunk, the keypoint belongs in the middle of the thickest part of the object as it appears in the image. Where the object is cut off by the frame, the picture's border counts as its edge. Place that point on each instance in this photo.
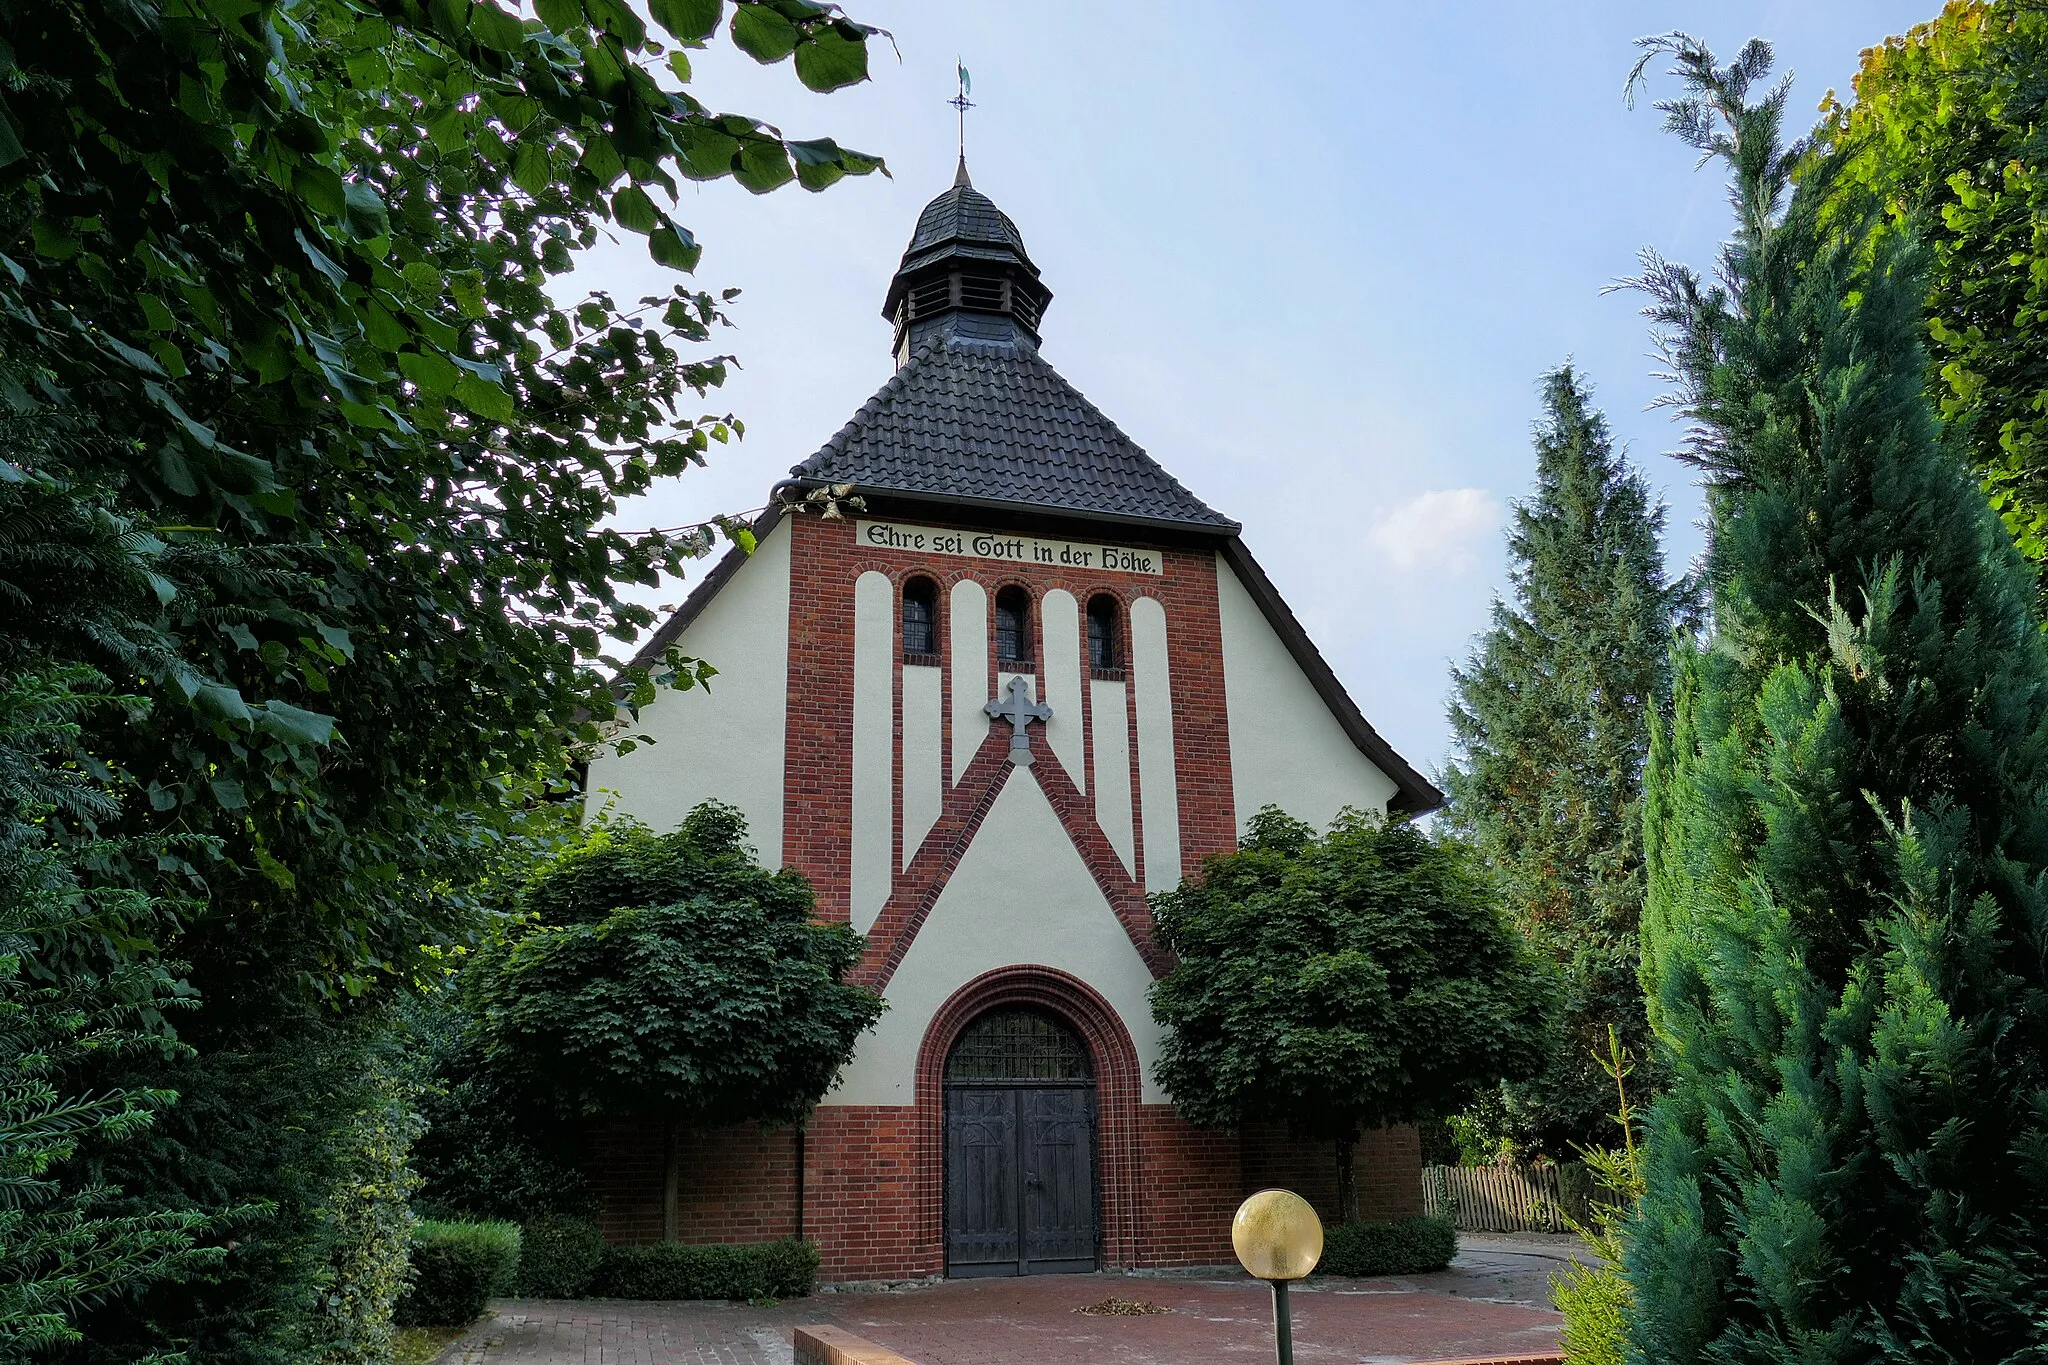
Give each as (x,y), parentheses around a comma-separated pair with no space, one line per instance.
(672,1190)
(1347,1187)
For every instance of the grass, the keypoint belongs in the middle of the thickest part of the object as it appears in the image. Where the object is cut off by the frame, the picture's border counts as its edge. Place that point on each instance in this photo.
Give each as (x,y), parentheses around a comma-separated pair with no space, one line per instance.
(419,1345)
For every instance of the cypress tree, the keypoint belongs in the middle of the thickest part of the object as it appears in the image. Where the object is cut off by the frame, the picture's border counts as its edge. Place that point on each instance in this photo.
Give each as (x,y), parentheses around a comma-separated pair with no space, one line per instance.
(1847,919)
(1552,725)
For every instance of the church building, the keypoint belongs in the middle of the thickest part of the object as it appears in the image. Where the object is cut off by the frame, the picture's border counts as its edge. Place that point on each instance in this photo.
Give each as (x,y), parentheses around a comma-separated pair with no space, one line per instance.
(1029,680)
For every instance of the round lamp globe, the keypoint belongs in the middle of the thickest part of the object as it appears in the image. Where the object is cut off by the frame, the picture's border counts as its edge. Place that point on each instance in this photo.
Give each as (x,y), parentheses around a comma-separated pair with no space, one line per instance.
(1277,1235)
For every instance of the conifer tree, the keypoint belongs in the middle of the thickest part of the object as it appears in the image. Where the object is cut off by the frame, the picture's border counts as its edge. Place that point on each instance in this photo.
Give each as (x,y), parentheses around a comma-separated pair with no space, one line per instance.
(1846,930)
(1552,723)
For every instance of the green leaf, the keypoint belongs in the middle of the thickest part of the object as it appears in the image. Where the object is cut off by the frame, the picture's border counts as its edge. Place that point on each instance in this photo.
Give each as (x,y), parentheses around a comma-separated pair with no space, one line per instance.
(688,21)
(494,28)
(429,370)
(822,163)
(293,725)
(386,332)
(617,18)
(337,639)
(634,211)
(763,34)
(531,169)
(321,188)
(561,16)
(674,247)
(762,166)
(367,216)
(221,702)
(228,792)
(484,398)
(156,314)
(829,60)
(466,287)
(321,261)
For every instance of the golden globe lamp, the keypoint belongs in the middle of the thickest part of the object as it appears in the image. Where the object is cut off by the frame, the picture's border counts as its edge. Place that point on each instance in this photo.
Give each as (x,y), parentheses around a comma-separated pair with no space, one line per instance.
(1279,1239)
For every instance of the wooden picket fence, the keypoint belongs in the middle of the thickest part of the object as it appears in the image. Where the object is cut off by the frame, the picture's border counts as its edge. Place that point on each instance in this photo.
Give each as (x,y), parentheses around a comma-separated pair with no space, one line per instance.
(1509,1198)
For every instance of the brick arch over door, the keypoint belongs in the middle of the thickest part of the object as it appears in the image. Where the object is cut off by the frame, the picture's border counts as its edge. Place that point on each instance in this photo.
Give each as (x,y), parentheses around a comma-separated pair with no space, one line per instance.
(1117,1087)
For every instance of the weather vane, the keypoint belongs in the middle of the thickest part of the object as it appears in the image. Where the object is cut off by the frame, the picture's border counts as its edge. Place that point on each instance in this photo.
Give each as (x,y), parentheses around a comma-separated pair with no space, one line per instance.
(963,104)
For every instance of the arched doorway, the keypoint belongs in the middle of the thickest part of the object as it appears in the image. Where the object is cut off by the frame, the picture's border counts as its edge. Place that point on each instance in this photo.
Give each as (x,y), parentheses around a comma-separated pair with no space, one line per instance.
(1020,1148)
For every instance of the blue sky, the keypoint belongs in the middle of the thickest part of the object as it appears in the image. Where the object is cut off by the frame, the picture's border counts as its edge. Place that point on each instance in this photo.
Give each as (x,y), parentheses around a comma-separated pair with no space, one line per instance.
(1313,258)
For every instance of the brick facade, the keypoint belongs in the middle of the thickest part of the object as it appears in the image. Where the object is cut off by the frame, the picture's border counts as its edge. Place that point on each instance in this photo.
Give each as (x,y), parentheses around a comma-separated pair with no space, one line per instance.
(870,1189)
(872,1192)
(866,1181)
(826,560)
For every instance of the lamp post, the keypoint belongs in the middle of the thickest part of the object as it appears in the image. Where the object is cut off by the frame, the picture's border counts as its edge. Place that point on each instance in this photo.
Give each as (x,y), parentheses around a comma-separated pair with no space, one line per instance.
(1279,1239)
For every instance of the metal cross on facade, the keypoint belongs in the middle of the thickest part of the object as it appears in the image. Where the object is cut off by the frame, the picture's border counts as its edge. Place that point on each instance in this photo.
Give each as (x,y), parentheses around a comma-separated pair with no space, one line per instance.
(1018,709)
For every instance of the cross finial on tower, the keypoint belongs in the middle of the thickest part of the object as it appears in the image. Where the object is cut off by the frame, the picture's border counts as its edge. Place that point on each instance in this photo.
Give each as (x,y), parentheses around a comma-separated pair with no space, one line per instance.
(963,104)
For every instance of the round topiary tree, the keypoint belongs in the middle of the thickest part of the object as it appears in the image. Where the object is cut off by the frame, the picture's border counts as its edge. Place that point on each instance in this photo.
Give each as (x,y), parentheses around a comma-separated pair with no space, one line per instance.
(1361,977)
(672,977)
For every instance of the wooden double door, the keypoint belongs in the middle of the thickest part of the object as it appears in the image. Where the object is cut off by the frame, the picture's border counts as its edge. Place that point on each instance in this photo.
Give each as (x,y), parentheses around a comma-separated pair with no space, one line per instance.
(1020,1169)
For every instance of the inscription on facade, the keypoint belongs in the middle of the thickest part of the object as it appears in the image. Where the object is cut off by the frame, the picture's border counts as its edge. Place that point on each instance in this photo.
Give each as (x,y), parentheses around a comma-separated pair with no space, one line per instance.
(1064,554)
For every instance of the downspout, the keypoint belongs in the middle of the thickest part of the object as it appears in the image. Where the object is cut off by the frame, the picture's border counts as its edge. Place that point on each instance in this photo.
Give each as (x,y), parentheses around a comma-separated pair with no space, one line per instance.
(801,1130)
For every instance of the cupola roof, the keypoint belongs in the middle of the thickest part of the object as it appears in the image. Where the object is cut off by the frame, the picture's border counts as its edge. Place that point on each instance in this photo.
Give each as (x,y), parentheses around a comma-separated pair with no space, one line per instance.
(965,270)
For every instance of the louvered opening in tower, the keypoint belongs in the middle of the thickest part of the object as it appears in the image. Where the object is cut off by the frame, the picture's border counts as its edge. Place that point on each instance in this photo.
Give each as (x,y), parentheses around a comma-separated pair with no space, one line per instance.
(933,296)
(1024,307)
(983,294)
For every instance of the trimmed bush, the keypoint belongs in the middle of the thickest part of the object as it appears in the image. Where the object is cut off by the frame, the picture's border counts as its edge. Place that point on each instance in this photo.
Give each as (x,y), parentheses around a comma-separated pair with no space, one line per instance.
(559,1257)
(456,1268)
(761,1270)
(1406,1246)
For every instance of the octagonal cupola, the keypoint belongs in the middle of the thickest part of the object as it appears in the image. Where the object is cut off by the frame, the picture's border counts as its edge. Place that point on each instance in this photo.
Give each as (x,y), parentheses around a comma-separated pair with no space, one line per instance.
(965,273)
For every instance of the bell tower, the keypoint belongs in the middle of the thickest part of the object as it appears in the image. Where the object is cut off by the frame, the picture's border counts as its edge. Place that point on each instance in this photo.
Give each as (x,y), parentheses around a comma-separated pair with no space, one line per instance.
(966,274)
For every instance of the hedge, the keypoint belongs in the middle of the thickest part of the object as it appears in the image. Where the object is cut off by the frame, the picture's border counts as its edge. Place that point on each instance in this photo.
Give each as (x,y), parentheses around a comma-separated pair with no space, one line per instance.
(456,1268)
(787,1269)
(559,1257)
(1407,1246)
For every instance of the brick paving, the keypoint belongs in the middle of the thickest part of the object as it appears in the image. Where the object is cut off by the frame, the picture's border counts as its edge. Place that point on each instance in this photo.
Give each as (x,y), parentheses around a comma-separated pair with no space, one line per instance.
(1491,1302)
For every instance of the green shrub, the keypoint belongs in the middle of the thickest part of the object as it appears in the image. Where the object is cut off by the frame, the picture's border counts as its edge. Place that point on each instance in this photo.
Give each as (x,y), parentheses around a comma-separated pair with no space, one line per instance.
(761,1270)
(456,1267)
(373,1232)
(1596,1302)
(1406,1246)
(1596,1297)
(559,1257)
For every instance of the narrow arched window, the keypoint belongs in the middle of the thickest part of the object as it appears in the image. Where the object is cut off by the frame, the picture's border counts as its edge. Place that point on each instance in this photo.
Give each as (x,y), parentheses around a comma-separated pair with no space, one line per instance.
(1013,626)
(1104,649)
(920,617)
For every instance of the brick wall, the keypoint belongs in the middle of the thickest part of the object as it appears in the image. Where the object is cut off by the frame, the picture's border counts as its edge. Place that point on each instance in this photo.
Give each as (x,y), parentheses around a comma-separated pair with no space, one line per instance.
(862,1192)
(738,1184)
(1193,1182)
(1386,1167)
(870,1192)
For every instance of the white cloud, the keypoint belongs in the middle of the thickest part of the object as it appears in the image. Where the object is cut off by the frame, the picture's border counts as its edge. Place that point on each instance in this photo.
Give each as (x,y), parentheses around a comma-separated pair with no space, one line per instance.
(1441,528)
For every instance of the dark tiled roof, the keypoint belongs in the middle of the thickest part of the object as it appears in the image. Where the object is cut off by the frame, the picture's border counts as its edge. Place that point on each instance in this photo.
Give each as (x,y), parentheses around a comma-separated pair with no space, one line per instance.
(989,422)
(968,221)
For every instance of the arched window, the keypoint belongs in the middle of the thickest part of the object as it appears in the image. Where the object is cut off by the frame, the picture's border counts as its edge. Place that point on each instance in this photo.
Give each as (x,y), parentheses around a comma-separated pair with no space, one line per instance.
(1013,626)
(1104,649)
(1018,1045)
(920,617)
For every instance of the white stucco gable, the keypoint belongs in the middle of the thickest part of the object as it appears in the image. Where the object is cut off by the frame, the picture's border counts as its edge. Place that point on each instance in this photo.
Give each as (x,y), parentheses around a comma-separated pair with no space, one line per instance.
(1288,746)
(724,741)
(1020,895)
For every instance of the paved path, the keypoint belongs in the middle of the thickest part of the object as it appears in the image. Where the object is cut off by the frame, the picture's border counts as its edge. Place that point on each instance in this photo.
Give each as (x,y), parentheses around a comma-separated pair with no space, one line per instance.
(1491,1301)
